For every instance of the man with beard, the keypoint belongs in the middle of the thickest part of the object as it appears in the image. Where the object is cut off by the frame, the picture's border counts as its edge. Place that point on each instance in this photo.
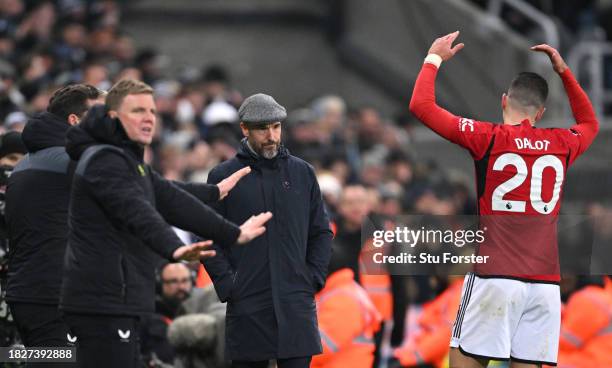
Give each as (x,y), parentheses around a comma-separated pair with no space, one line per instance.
(37,217)
(175,284)
(120,217)
(270,285)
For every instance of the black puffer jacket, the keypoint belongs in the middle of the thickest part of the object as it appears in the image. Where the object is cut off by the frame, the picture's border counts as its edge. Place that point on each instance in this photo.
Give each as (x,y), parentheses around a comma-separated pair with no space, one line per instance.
(120,211)
(37,212)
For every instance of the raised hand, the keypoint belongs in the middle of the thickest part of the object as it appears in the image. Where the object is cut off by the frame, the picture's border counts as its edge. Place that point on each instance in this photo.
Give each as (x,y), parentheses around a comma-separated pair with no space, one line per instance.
(253,227)
(194,252)
(556,60)
(229,183)
(443,46)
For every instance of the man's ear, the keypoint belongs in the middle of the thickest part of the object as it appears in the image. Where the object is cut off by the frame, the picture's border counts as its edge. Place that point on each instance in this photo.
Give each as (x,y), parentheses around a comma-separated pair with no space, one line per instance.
(73,119)
(112,113)
(504,101)
(540,113)
(245,130)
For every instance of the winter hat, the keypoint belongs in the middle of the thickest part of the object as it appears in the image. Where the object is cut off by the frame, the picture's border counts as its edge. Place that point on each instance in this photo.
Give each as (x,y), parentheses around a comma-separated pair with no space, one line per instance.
(261,108)
(11,143)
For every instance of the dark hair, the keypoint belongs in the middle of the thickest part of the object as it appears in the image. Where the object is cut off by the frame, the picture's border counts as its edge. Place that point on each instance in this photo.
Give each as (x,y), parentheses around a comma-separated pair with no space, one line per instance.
(528,90)
(72,99)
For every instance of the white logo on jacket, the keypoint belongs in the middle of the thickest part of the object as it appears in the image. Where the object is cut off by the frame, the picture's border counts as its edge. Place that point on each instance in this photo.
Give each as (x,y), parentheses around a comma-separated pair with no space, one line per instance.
(70,338)
(124,335)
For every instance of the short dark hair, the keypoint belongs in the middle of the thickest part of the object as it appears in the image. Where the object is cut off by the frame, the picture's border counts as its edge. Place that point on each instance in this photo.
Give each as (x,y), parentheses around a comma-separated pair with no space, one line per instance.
(529,90)
(72,99)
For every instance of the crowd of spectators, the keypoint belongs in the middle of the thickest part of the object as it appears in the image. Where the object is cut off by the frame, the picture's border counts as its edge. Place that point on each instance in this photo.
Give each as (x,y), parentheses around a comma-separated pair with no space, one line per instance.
(45,45)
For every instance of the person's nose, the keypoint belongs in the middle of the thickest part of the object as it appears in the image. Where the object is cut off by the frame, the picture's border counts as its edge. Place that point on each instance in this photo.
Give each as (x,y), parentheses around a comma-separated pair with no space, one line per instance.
(150,117)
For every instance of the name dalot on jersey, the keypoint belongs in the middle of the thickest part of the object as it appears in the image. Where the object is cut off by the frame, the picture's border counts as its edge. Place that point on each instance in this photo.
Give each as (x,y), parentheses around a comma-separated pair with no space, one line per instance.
(526,143)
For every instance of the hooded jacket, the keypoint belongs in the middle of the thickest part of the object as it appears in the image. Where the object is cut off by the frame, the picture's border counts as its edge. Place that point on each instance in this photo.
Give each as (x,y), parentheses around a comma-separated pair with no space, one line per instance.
(120,216)
(269,285)
(37,211)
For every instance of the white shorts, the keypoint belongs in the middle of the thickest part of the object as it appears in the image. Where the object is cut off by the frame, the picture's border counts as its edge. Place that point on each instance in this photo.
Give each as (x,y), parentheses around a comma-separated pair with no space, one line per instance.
(505,319)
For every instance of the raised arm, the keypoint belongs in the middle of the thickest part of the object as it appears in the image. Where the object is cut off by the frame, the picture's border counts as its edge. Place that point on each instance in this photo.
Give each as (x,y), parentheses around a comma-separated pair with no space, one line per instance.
(586,126)
(423,102)
(468,133)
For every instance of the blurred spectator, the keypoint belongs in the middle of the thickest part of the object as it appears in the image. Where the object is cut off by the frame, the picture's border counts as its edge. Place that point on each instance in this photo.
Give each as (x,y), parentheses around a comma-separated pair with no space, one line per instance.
(353,209)
(175,284)
(330,114)
(428,343)
(12,150)
(586,336)
(216,86)
(11,98)
(15,121)
(331,189)
(95,73)
(347,318)
(198,334)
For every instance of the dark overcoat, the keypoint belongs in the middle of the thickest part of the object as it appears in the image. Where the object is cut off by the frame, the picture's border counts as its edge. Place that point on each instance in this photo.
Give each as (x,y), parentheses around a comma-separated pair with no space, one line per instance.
(269,283)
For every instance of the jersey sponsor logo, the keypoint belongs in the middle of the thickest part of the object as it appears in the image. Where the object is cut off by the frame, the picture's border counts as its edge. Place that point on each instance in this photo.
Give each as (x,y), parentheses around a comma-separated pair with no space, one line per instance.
(465,124)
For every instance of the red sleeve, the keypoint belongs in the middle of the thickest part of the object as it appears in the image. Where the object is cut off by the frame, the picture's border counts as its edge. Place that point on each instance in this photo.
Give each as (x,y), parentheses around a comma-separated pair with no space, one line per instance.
(473,135)
(582,134)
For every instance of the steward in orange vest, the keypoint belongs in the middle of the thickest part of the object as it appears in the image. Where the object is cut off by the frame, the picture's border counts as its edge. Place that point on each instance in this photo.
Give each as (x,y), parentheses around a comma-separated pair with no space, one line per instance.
(347,323)
(430,344)
(586,328)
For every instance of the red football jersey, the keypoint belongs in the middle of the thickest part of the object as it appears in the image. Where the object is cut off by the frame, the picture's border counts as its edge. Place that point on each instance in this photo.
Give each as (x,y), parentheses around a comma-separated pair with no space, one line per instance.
(520,173)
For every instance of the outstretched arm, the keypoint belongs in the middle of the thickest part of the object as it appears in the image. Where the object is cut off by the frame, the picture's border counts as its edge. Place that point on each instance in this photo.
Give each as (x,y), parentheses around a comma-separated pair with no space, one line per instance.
(208,193)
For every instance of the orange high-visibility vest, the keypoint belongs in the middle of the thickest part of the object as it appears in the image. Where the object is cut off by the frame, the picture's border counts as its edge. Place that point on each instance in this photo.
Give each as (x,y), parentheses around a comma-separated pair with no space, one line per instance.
(377,286)
(203,279)
(586,329)
(430,344)
(347,323)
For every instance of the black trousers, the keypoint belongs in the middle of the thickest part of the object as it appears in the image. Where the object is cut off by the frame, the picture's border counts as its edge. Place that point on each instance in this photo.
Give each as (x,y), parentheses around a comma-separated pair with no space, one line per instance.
(301,362)
(105,341)
(40,325)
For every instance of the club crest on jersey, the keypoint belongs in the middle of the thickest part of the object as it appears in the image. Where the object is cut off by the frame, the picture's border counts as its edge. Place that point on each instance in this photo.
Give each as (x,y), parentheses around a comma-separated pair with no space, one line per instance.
(465,124)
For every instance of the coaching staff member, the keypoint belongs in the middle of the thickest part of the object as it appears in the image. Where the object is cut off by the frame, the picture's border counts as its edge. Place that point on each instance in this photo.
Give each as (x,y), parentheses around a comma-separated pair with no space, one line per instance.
(120,211)
(37,217)
(269,286)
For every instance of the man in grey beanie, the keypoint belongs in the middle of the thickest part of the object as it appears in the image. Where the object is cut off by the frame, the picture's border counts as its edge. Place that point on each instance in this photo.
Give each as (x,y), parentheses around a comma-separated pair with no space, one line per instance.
(269,286)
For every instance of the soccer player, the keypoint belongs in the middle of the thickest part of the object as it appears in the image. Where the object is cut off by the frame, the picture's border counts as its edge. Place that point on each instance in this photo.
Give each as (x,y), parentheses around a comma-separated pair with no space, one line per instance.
(510,307)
